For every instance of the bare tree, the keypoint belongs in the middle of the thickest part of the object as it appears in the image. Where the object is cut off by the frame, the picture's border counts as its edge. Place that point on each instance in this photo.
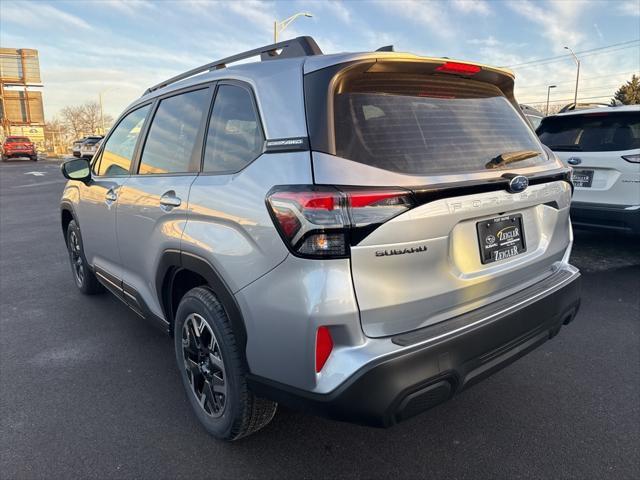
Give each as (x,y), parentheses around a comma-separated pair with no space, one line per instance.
(91,117)
(72,117)
(85,119)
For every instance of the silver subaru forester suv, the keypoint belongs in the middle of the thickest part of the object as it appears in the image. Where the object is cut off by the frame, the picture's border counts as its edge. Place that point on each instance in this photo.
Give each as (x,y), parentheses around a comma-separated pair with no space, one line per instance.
(355,235)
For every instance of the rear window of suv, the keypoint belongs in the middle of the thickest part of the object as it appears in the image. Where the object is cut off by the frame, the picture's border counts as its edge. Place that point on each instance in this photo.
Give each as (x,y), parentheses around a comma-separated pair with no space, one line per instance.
(429,124)
(592,132)
(18,140)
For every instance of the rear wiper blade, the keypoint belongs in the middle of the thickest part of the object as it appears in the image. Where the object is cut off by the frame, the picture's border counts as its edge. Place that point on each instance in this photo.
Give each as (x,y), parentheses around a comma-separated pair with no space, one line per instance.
(510,157)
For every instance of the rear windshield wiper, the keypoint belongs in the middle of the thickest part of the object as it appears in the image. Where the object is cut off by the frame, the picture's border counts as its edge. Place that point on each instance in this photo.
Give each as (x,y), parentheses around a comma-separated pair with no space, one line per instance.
(567,148)
(510,157)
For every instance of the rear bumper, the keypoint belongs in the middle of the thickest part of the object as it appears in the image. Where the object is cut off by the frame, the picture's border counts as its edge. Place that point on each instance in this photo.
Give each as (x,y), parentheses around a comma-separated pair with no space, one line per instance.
(603,216)
(441,360)
(18,154)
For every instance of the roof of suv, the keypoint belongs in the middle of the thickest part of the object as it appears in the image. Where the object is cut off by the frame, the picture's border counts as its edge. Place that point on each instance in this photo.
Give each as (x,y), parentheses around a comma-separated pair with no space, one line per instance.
(276,80)
(624,108)
(309,60)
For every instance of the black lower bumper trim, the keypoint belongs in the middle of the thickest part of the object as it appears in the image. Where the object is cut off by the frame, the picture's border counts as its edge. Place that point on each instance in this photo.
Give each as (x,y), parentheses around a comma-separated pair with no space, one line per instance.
(601,216)
(420,377)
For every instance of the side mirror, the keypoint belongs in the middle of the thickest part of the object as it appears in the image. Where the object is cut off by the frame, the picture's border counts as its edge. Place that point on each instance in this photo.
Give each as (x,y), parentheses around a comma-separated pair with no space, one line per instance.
(77,169)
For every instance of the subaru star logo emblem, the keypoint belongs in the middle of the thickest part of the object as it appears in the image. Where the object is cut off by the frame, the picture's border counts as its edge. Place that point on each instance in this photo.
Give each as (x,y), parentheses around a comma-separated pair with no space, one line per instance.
(518,184)
(574,161)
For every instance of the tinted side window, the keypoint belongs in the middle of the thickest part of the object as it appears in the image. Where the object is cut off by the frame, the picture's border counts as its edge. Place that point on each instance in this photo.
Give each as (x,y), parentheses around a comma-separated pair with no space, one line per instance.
(118,151)
(235,136)
(172,136)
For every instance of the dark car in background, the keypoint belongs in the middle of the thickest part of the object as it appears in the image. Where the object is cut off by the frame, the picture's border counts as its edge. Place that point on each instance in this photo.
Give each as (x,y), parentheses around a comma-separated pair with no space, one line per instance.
(19,147)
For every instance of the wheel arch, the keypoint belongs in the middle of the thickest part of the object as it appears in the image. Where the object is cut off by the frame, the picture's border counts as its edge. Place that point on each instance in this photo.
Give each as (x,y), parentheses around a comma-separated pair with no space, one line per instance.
(176,266)
(67,214)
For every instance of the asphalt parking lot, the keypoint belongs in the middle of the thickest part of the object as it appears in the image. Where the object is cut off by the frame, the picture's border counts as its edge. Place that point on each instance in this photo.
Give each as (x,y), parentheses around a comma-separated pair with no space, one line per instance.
(88,390)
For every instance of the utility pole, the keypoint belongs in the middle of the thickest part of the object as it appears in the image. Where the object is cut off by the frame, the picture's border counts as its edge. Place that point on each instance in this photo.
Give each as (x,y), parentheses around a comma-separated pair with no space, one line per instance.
(102,92)
(575,98)
(546,113)
(278,27)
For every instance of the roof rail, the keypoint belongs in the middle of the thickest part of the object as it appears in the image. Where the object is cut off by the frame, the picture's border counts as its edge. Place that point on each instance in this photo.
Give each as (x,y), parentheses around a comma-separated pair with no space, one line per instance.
(296,47)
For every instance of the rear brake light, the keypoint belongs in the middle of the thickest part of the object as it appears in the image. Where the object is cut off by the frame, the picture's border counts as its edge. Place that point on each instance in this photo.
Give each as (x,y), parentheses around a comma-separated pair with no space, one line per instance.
(323,222)
(459,68)
(632,158)
(324,345)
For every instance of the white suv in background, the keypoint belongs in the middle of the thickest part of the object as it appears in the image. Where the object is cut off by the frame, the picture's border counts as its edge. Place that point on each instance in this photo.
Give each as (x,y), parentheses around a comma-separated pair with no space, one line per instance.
(603,147)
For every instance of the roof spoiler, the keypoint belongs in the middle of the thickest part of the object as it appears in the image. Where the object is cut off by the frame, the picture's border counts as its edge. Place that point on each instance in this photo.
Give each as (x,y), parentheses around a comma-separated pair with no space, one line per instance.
(296,47)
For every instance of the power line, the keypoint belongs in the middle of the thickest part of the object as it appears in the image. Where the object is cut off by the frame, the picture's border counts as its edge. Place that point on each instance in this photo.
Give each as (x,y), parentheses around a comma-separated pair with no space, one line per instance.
(570,88)
(568,55)
(607,52)
(637,72)
(564,100)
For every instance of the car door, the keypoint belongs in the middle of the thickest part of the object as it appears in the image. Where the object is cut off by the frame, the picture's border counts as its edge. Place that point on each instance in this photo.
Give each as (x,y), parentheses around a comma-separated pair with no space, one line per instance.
(97,207)
(152,206)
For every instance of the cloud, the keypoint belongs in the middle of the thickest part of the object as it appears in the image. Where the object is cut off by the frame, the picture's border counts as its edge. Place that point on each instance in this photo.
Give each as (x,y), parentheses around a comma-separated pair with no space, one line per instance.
(472,6)
(431,15)
(598,31)
(490,41)
(554,19)
(629,7)
(40,15)
(128,7)
(260,14)
(336,8)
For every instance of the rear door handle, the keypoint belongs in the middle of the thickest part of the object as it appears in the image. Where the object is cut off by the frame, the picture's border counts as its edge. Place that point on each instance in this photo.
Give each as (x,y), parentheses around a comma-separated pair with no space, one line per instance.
(110,196)
(170,200)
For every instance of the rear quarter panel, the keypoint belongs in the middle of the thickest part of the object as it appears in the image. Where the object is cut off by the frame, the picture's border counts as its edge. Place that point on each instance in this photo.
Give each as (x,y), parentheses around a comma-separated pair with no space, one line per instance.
(228,222)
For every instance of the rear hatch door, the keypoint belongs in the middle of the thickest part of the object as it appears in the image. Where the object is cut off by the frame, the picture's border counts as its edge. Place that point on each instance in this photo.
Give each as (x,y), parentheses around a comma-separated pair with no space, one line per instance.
(467,241)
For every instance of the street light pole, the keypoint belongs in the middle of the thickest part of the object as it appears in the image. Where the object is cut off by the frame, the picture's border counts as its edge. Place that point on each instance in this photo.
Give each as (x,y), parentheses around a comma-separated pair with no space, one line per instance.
(102,112)
(575,98)
(546,113)
(102,92)
(278,27)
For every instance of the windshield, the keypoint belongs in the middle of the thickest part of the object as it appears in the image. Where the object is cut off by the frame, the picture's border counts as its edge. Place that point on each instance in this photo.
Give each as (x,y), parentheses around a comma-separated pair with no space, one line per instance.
(429,124)
(18,140)
(592,132)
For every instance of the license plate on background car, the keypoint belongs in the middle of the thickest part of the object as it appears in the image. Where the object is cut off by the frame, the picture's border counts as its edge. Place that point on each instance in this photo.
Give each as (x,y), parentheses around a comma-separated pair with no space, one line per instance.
(501,238)
(582,178)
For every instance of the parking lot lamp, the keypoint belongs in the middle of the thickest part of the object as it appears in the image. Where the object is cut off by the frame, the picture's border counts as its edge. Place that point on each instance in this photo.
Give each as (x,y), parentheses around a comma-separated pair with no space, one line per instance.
(575,98)
(102,92)
(278,27)
(548,92)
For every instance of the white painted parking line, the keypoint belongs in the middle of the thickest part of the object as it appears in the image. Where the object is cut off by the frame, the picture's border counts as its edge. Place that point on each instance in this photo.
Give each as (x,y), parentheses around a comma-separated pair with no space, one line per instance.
(35,174)
(49,182)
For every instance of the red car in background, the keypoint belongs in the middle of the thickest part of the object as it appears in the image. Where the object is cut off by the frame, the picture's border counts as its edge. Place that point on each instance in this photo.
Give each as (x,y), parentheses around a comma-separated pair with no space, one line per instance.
(14,147)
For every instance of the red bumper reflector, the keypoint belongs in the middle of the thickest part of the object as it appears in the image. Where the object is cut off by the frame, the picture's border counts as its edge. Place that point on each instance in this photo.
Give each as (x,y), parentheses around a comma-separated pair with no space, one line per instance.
(324,345)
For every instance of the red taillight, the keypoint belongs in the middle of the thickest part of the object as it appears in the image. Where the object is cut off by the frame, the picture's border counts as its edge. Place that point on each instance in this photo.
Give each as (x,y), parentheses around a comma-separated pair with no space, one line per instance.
(320,221)
(324,345)
(459,68)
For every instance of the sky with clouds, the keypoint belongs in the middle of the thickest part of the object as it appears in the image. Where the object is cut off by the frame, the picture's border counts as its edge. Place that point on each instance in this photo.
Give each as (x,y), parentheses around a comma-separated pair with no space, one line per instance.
(120,47)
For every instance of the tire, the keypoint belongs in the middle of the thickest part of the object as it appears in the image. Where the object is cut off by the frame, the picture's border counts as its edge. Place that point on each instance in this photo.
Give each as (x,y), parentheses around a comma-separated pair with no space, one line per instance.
(85,279)
(229,410)
(34,158)
(4,159)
